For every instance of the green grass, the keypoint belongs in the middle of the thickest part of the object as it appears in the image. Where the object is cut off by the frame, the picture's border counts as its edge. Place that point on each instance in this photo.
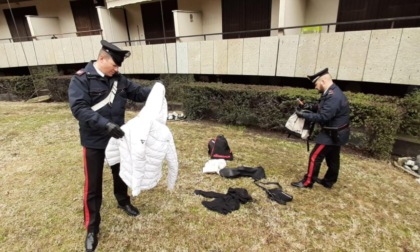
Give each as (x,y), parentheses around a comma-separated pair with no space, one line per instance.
(373,207)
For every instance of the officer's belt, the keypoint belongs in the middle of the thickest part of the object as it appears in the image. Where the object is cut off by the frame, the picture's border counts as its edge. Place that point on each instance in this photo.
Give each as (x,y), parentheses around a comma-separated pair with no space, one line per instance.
(328,129)
(108,100)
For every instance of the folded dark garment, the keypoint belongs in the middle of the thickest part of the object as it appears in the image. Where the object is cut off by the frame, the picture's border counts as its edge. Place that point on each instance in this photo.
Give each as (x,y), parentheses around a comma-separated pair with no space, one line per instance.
(243,171)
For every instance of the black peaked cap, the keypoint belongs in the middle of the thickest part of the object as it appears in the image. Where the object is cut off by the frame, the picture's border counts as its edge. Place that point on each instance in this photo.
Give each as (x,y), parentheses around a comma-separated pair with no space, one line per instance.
(315,77)
(116,53)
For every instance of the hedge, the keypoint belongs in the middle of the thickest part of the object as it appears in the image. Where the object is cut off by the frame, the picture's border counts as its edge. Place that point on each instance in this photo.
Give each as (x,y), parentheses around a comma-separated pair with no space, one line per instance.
(411,121)
(374,119)
(21,86)
(58,87)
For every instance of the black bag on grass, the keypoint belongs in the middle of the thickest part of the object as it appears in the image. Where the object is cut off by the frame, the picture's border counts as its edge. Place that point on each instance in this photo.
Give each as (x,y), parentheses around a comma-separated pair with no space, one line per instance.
(275,194)
(219,148)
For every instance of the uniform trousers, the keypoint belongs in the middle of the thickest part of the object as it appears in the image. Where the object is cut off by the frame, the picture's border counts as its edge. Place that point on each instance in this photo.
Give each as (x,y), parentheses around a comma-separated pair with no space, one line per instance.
(93,160)
(331,153)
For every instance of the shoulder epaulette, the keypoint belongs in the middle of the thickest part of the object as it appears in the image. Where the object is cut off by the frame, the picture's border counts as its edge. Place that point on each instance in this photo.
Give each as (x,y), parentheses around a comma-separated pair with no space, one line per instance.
(81,72)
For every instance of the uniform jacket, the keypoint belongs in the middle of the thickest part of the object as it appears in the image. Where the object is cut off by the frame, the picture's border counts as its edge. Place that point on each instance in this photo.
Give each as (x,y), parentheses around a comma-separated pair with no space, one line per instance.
(333,111)
(86,89)
(146,144)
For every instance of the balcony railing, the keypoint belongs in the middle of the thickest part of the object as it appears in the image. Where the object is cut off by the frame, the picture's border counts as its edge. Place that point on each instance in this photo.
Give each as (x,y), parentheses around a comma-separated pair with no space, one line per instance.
(53,36)
(281,30)
(205,36)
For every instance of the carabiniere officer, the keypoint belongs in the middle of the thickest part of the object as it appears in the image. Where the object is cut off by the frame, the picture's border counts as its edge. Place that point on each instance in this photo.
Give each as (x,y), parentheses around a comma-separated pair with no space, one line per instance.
(332,113)
(98,94)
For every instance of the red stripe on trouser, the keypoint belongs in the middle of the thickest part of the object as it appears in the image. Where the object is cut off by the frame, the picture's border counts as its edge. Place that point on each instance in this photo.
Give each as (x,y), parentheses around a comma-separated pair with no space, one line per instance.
(308,180)
(86,189)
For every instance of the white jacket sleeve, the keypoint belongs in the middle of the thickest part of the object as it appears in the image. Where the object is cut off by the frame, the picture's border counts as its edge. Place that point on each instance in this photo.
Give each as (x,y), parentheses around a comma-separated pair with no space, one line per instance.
(172,158)
(112,152)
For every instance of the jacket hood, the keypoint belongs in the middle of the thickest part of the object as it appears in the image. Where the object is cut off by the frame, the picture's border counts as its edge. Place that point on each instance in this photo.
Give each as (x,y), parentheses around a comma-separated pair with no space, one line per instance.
(156,107)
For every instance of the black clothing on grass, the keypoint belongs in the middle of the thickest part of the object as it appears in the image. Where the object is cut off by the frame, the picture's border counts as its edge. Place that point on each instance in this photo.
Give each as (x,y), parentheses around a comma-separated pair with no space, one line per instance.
(225,203)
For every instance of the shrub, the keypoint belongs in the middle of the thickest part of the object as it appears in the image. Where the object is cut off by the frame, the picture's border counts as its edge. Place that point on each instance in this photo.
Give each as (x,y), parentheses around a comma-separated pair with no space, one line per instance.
(411,119)
(40,74)
(21,86)
(58,87)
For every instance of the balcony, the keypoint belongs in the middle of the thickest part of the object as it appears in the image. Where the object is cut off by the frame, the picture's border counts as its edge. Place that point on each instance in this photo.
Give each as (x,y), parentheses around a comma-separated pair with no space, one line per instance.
(385,56)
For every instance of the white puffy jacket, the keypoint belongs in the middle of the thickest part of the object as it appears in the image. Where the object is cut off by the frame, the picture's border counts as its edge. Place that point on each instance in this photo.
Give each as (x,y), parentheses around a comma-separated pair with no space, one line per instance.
(146,144)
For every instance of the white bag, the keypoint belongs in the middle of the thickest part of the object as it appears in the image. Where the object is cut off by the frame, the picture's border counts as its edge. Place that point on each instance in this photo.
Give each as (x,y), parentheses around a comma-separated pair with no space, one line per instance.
(296,126)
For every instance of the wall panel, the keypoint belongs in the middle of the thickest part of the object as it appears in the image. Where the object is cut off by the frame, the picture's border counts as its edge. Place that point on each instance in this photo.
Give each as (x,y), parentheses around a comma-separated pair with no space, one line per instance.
(182,58)
(87,49)
(235,55)
(28,48)
(67,50)
(40,53)
(251,56)
(307,54)
(4,63)
(329,52)
(407,64)
(171,57)
(194,57)
(11,55)
(77,50)
(20,54)
(353,55)
(268,56)
(287,56)
(127,65)
(207,57)
(159,58)
(57,48)
(381,56)
(137,58)
(220,57)
(148,64)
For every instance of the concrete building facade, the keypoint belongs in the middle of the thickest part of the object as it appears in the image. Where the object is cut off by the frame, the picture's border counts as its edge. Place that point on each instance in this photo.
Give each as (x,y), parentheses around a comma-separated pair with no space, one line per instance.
(277,38)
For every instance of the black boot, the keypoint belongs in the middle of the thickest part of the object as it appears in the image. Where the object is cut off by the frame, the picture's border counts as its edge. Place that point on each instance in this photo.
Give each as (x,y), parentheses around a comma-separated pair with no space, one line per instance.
(91,241)
(301,184)
(324,183)
(129,209)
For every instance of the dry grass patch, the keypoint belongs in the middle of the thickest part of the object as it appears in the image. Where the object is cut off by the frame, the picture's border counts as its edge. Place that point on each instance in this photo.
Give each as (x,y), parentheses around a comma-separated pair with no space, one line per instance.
(373,207)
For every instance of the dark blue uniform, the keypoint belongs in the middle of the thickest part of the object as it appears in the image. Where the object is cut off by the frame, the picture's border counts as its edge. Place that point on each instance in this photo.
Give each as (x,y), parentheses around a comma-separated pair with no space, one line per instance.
(86,89)
(333,115)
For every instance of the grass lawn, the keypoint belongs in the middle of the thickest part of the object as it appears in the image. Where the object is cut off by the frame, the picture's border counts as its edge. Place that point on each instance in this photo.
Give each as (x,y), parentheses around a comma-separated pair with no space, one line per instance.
(373,207)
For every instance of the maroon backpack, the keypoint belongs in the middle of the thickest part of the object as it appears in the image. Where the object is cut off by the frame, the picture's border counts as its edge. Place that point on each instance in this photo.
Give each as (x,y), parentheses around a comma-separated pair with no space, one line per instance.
(219,148)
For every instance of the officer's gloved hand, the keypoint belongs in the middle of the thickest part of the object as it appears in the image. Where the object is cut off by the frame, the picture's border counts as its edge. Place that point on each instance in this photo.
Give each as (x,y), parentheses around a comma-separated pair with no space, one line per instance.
(114,130)
(300,113)
(308,106)
(305,106)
